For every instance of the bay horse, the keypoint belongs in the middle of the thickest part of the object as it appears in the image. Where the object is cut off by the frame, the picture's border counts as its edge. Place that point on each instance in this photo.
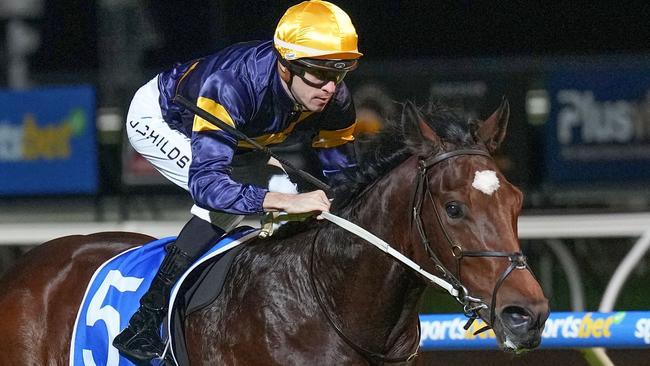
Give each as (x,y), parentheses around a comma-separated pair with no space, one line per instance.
(314,293)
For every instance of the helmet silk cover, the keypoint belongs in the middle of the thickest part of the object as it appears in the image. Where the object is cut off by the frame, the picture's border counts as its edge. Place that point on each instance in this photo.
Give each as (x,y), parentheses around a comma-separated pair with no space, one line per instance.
(316,29)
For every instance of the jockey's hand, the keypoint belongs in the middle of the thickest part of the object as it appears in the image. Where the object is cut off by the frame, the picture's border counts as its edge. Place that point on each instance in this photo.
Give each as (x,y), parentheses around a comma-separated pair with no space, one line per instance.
(315,201)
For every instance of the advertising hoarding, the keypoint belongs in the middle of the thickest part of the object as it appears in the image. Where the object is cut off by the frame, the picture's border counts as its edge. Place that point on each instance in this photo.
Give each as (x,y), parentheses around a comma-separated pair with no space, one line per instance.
(599,126)
(624,329)
(47,141)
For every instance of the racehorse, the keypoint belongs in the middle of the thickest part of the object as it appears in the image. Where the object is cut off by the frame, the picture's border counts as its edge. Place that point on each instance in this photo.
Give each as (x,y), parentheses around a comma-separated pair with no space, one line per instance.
(314,293)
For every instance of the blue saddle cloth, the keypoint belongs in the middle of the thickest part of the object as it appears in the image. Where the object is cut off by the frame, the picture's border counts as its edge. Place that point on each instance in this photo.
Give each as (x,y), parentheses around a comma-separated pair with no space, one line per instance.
(113,295)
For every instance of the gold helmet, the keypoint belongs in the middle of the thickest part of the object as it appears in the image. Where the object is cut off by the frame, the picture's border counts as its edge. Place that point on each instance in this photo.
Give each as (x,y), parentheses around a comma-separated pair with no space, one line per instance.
(318,35)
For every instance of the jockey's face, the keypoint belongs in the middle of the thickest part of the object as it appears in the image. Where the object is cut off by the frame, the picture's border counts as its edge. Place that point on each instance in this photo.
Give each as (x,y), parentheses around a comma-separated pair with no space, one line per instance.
(310,91)
(313,98)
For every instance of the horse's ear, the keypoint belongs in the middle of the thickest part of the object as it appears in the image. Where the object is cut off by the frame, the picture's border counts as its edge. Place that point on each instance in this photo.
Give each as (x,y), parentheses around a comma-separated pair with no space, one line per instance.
(492,131)
(415,126)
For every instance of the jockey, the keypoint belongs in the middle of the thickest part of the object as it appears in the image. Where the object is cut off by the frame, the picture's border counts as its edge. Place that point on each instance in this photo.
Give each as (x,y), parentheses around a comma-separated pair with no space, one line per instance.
(267,90)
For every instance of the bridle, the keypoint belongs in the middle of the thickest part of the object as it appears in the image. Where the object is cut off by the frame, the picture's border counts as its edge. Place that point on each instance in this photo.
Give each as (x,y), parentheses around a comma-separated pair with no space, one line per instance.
(471,305)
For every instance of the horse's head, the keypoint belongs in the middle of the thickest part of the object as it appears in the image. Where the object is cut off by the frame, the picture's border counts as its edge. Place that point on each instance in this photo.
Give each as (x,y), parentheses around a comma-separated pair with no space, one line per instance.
(464,222)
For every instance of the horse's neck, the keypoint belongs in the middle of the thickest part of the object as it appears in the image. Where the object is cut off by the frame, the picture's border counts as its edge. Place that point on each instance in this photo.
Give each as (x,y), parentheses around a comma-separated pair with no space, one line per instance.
(368,287)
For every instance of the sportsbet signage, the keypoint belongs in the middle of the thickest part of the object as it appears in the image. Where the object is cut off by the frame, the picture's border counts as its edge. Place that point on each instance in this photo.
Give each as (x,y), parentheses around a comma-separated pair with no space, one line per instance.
(47,141)
(562,330)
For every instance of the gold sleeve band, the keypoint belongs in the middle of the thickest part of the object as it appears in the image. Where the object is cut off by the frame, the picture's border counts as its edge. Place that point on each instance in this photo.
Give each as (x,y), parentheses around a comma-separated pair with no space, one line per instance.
(215,109)
(334,138)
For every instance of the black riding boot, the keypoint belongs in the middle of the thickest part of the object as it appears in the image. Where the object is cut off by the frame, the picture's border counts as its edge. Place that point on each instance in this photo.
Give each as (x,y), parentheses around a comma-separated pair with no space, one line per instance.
(140,341)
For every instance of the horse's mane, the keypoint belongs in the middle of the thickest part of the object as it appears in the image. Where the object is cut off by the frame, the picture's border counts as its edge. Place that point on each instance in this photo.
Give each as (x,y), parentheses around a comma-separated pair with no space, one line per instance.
(395,143)
(397,140)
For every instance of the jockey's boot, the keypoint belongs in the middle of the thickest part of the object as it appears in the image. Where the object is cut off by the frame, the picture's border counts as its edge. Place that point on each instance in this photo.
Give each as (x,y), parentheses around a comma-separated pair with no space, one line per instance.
(140,341)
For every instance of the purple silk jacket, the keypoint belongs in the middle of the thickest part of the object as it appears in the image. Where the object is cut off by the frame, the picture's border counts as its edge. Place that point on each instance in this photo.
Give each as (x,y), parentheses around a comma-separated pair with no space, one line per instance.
(241,86)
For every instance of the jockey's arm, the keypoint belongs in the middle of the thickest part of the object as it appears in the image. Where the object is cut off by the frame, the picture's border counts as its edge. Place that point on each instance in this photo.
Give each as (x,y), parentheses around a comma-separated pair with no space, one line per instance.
(334,160)
(210,183)
(335,151)
(209,178)
(212,187)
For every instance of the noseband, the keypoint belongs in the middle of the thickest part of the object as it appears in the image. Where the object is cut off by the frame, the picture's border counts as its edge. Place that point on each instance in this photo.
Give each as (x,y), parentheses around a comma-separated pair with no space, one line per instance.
(471,305)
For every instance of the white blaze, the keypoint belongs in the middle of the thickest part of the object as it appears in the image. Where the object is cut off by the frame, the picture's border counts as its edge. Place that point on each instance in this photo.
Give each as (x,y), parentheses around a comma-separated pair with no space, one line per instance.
(486,181)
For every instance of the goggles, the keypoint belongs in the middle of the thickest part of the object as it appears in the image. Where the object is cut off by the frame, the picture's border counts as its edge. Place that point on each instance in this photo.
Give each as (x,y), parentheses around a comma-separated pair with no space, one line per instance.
(317,73)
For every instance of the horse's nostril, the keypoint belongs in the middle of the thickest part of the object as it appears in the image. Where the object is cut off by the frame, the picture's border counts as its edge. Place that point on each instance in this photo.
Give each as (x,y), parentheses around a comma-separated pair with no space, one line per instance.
(515,317)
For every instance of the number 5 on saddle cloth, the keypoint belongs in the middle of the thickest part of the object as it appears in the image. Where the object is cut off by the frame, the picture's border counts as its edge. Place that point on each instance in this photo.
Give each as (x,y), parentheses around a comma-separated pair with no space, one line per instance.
(116,287)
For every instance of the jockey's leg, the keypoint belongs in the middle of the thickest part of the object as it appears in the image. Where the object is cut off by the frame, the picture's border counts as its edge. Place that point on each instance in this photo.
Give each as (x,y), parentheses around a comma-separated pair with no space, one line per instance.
(140,341)
(147,132)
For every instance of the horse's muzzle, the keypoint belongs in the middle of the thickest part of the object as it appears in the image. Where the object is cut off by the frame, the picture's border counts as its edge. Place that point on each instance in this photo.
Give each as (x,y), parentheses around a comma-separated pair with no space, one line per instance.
(523,326)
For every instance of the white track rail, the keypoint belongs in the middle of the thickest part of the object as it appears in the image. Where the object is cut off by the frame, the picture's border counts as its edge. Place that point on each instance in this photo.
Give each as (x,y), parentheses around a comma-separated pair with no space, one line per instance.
(530,227)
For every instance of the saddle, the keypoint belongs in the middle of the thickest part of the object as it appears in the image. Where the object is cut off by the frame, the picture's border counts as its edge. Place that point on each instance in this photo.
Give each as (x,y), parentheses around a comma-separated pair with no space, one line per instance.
(201,287)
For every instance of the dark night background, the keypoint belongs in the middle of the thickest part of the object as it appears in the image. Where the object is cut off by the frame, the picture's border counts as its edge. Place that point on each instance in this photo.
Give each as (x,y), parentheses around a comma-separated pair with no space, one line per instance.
(464,34)
(388,29)
(486,43)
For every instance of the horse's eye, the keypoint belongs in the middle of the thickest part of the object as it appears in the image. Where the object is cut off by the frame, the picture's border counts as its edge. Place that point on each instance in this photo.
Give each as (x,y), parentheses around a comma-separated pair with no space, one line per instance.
(454,210)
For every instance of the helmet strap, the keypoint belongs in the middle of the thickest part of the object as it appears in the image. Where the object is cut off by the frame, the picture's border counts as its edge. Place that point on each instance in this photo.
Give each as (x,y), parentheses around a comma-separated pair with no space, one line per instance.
(287,76)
